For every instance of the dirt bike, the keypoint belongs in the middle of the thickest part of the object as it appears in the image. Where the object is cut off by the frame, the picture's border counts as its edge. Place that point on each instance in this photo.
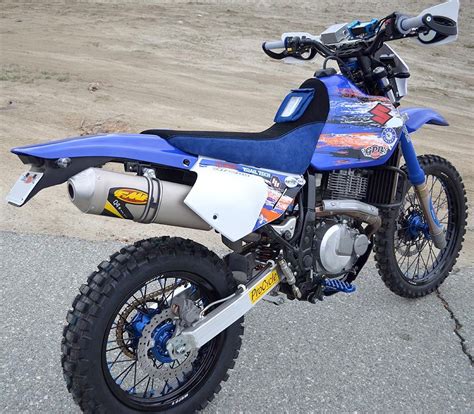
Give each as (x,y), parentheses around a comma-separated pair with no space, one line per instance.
(300,205)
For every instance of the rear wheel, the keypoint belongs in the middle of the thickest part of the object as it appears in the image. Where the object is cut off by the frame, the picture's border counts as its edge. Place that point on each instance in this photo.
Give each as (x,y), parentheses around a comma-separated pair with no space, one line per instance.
(410,265)
(114,346)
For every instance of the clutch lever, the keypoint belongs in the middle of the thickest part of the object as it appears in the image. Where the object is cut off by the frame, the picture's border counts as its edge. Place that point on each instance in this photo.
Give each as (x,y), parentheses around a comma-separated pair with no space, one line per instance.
(312,53)
(293,47)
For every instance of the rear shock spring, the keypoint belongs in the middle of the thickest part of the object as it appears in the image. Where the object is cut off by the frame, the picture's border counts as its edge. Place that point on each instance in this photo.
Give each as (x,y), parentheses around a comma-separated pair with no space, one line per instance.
(266,253)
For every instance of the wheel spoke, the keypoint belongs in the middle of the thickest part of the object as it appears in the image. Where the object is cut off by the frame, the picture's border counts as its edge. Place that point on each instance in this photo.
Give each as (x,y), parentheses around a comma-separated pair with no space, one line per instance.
(115,360)
(126,370)
(140,309)
(166,388)
(415,254)
(139,382)
(146,387)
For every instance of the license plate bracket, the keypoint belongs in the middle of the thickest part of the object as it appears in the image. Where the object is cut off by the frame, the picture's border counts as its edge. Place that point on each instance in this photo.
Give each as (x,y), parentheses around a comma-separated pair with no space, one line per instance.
(23,187)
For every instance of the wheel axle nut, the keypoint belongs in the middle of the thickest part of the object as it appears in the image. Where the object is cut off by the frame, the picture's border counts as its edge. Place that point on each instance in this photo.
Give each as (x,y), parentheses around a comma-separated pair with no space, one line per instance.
(181,349)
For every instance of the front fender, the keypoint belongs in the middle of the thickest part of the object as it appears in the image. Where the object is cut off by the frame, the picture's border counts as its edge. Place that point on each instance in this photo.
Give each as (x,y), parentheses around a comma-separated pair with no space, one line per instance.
(417,117)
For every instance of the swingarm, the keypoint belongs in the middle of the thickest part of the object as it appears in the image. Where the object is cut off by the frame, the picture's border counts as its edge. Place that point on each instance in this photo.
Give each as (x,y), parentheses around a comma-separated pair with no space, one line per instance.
(232,308)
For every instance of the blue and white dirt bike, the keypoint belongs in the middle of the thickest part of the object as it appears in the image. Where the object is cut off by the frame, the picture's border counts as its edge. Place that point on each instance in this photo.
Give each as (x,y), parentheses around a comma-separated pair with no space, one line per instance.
(301,205)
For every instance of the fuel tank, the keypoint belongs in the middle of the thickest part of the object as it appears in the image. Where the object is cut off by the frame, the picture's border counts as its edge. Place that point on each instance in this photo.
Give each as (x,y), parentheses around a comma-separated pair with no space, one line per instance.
(361,130)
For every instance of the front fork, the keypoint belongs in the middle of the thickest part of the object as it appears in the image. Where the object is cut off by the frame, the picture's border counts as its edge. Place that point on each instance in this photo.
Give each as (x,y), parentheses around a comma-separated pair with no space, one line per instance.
(417,177)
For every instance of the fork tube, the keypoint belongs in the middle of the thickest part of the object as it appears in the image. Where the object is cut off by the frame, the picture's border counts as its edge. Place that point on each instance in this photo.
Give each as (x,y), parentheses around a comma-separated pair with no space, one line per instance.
(417,177)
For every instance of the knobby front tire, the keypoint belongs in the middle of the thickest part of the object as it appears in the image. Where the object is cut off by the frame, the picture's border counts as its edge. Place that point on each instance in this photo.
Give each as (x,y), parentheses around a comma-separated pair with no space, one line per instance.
(406,258)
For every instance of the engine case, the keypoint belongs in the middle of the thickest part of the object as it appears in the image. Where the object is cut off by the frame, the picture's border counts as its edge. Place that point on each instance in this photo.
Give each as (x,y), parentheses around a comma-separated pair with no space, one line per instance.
(338,246)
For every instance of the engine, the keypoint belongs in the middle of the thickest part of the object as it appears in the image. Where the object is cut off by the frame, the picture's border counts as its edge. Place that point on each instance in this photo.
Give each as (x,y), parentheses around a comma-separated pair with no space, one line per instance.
(340,238)
(348,200)
(338,246)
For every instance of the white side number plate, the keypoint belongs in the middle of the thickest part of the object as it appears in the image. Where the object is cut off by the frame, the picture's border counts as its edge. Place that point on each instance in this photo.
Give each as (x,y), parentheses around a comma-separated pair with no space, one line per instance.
(23,187)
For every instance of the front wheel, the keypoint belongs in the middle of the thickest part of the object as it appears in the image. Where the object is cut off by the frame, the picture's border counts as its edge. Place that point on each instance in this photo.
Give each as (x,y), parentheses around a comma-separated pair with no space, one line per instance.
(114,353)
(410,265)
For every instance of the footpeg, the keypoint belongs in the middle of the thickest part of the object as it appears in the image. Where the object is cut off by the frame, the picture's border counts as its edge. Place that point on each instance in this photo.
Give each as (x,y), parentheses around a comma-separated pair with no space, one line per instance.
(333,285)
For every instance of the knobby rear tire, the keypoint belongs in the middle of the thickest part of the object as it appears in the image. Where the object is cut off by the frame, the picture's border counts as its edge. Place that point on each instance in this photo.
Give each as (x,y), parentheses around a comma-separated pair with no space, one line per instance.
(92,309)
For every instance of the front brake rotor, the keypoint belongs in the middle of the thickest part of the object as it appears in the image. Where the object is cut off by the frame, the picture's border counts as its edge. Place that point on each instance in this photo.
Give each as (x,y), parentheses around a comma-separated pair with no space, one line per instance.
(410,250)
(405,245)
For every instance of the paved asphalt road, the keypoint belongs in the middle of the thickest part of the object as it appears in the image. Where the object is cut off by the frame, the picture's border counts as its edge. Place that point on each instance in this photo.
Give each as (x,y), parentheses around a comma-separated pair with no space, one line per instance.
(367,352)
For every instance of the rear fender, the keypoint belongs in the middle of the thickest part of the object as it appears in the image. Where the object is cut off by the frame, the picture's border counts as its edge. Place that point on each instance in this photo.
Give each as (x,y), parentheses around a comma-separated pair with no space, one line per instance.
(417,117)
(137,147)
(97,150)
(53,174)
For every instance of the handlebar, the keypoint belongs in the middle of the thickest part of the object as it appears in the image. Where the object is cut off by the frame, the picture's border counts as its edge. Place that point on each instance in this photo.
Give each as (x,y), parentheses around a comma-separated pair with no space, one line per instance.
(441,25)
(277,44)
(405,23)
(305,46)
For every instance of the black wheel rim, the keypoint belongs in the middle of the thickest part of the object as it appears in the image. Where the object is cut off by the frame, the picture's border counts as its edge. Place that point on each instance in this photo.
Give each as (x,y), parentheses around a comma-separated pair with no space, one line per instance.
(120,362)
(418,260)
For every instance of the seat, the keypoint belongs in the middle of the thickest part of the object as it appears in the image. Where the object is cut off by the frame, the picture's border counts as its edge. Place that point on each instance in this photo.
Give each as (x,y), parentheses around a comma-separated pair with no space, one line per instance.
(286,146)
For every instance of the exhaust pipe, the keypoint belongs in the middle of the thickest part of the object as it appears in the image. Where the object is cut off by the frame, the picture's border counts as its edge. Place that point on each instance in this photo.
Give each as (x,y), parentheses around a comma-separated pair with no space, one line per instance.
(139,198)
(352,208)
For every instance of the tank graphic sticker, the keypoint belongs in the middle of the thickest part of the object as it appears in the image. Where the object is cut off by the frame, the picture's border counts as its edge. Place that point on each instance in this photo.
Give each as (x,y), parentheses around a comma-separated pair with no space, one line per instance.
(381,114)
(361,130)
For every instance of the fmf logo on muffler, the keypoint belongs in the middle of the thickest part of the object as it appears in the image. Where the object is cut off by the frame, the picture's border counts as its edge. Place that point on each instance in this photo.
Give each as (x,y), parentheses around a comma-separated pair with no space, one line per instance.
(131,196)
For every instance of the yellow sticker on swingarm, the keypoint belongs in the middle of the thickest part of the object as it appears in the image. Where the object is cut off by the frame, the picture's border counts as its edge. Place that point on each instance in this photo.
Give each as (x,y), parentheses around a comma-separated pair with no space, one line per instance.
(270,281)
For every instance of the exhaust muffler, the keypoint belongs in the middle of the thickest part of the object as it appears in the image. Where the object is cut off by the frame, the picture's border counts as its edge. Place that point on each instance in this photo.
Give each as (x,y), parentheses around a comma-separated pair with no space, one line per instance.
(140,198)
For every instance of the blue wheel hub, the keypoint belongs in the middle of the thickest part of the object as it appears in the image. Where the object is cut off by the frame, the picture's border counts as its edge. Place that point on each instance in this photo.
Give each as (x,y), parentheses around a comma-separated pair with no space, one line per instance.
(161,335)
(135,327)
(416,225)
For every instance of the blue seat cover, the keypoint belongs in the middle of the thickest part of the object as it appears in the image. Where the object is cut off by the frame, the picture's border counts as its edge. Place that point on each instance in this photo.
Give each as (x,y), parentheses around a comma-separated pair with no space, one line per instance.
(286,146)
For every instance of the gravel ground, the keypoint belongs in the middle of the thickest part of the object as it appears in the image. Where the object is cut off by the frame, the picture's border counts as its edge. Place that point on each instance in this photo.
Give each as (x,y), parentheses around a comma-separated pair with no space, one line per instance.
(366,352)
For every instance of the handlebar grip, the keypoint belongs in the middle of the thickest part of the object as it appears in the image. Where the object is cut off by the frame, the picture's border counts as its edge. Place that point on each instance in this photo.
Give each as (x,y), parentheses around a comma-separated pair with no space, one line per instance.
(406,24)
(279,44)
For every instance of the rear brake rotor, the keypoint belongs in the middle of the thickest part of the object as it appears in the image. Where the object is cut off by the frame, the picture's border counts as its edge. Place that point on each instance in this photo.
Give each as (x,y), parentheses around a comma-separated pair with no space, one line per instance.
(146,359)
(122,322)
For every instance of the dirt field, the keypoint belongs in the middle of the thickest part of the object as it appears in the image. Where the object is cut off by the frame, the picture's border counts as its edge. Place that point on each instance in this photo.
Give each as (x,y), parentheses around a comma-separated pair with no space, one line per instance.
(70,68)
